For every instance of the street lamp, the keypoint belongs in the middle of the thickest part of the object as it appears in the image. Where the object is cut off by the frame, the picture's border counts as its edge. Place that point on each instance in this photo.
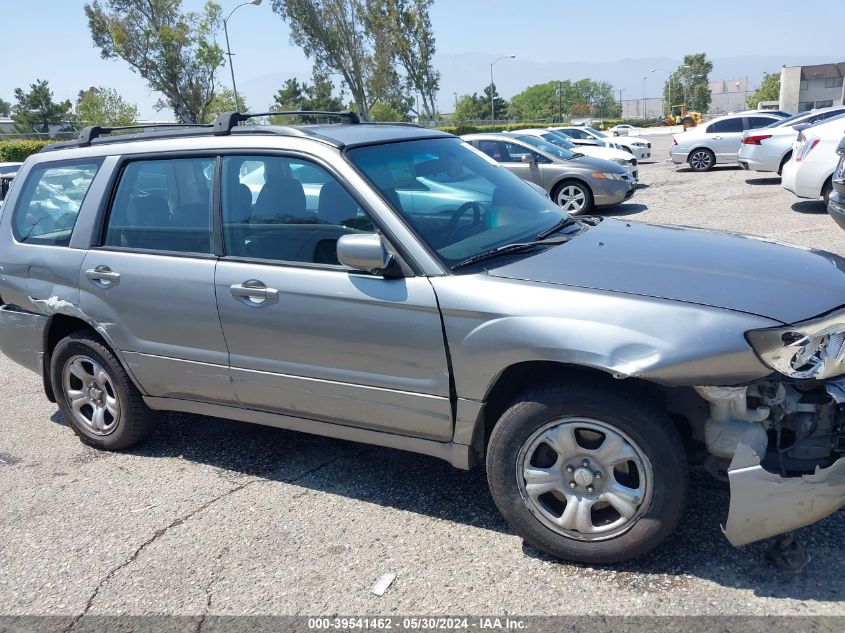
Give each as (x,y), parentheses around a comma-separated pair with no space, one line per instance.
(492,99)
(669,96)
(644,78)
(229,51)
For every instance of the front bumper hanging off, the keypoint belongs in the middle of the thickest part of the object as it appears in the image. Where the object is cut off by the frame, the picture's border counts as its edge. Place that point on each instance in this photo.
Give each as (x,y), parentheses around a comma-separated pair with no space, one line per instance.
(765,504)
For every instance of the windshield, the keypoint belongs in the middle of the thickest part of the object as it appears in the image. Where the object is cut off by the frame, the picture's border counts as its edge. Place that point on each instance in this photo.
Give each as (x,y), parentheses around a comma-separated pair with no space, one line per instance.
(596,132)
(547,146)
(459,201)
(560,139)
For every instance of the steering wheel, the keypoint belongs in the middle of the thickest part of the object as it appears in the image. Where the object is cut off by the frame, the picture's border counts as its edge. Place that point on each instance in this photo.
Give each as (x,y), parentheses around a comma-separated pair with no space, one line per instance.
(460,212)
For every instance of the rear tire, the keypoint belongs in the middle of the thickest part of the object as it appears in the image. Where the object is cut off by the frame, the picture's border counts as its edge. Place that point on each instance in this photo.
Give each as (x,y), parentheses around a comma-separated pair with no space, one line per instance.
(827,189)
(688,122)
(701,159)
(96,395)
(573,196)
(631,429)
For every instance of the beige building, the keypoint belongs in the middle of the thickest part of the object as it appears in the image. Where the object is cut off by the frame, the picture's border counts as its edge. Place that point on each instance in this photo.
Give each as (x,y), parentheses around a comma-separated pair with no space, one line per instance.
(804,88)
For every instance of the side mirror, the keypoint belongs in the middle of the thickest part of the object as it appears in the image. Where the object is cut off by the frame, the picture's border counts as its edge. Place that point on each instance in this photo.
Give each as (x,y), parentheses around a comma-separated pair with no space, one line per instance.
(528,158)
(363,251)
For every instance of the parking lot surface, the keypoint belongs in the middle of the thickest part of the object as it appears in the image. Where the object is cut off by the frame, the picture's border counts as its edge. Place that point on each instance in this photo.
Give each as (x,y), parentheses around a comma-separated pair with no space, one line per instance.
(218,517)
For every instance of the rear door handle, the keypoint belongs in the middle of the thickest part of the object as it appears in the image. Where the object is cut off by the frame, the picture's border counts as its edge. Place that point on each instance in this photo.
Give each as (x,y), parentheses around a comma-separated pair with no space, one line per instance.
(105,275)
(254,290)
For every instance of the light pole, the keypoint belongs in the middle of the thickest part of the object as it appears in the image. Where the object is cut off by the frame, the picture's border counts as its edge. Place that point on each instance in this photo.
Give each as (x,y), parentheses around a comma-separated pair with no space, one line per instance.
(229,50)
(644,78)
(669,96)
(492,99)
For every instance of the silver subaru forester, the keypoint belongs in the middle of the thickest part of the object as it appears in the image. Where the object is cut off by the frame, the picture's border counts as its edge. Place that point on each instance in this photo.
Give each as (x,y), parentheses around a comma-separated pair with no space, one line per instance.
(395,286)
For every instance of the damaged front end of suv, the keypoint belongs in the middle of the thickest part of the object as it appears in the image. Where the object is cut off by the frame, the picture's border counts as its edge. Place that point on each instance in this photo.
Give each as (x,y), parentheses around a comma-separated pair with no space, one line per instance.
(781,440)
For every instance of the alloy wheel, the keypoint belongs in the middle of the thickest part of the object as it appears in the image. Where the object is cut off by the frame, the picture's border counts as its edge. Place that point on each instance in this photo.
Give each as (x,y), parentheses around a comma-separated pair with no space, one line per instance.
(701,160)
(91,395)
(571,198)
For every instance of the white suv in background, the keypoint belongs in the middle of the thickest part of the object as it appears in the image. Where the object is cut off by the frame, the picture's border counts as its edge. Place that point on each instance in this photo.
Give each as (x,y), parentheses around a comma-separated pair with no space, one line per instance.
(717,141)
(810,172)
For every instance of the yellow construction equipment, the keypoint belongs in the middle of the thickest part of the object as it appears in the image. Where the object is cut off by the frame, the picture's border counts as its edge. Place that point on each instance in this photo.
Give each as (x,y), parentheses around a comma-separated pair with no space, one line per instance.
(681,116)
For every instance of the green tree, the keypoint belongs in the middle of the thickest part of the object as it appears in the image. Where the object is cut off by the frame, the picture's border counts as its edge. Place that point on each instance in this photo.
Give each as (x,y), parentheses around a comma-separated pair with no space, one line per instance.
(500,106)
(769,90)
(470,108)
(690,83)
(224,101)
(104,106)
(554,99)
(174,52)
(5,107)
(382,111)
(319,95)
(407,27)
(332,34)
(35,111)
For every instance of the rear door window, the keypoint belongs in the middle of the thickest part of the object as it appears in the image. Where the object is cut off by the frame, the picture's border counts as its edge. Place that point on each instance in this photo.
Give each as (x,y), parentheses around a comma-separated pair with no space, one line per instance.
(755,122)
(726,126)
(163,205)
(49,203)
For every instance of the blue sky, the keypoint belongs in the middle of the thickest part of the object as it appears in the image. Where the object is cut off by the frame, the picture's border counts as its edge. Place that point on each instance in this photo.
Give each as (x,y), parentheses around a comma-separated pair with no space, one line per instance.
(49,39)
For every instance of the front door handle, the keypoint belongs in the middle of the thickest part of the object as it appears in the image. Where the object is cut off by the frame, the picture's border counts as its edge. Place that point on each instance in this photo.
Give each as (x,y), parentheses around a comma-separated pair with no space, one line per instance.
(103,274)
(253,290)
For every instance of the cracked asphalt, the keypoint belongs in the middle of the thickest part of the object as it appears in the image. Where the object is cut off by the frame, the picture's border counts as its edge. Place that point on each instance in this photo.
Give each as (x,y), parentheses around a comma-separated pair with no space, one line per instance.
(214,517)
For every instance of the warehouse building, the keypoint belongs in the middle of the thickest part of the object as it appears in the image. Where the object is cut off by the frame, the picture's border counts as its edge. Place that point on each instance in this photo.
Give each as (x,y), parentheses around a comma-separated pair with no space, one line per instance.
(804,88)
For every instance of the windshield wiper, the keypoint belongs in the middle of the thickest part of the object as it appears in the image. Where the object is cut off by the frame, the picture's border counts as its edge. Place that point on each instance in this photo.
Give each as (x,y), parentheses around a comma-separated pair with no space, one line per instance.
(559,226)
(510,248)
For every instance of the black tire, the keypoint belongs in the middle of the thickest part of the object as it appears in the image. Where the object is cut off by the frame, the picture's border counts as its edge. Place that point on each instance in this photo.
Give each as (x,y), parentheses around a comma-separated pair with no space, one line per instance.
(620,408)
(135,421)
(827,189)
(588,195)
(701,159)
(688,122)
(785,160)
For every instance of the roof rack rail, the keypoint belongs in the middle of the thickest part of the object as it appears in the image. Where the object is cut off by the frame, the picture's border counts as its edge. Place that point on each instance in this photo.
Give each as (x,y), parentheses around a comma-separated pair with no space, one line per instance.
(224,123)
(92,132)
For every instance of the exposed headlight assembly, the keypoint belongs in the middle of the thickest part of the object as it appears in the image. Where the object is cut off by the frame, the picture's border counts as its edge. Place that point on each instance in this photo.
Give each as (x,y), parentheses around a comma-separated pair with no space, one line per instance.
(813,349)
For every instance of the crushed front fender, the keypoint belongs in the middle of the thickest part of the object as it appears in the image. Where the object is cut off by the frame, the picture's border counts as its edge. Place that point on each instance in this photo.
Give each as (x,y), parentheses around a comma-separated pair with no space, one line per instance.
(764,504)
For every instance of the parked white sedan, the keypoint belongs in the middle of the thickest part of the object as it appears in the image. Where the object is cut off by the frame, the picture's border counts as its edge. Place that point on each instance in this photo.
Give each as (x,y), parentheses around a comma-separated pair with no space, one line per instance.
(810,172)
(639,147)
(623,129)
(770,148)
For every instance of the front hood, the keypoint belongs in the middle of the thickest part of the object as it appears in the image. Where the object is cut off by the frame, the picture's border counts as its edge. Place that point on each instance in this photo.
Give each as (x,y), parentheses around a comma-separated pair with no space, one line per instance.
(724,270)
(605,153)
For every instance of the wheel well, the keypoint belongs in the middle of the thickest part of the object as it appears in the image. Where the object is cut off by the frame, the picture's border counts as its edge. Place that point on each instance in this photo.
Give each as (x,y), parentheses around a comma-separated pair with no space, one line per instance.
(518,377)
(784,161)
(695,149)
(60,326)
(560,182)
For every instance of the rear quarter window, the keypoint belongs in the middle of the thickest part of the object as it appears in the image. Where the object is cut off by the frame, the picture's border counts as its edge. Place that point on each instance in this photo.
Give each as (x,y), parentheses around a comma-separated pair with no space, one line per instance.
(50,200)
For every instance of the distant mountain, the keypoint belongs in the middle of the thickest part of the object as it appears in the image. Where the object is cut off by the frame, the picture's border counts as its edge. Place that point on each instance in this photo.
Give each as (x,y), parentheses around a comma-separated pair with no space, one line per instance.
(470,72)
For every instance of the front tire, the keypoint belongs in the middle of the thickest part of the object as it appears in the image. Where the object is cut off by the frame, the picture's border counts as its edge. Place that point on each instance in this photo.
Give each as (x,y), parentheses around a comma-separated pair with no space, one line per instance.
(573,196)
(96,395)
(588,472)
(701,160)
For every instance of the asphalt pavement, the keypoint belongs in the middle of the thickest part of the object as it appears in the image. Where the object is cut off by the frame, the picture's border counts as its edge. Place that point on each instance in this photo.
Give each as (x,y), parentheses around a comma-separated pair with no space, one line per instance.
(219,517)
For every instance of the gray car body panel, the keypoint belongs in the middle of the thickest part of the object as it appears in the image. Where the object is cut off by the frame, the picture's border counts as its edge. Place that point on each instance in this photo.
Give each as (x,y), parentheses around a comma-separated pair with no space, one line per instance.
(722,270)
(412,360)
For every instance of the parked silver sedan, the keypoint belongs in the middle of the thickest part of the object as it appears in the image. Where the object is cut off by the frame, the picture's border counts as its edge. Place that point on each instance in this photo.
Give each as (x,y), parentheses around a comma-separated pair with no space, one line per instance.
(577,183)
(770,148)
